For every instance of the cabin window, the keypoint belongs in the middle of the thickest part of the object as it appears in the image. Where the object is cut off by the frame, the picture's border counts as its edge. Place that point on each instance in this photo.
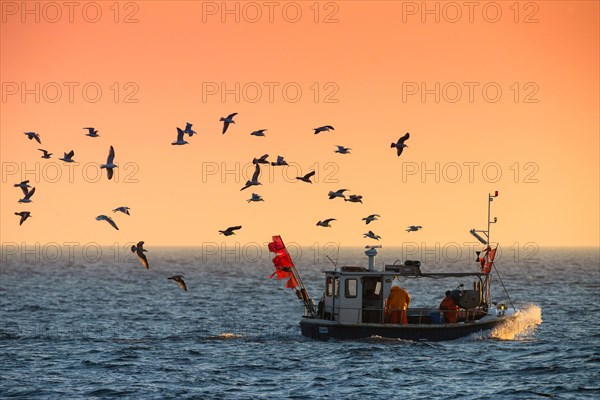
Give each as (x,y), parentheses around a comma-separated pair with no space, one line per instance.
(351,285)
(333,286)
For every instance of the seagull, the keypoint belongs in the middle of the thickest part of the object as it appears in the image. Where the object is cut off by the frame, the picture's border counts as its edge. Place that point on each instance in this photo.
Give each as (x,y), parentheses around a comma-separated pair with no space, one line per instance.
(188,129)
(24,215)
(23,185)
(306,178)
(180,140)
(261,160)
(413,228)
(254,181)
(139,251)
(46,154)
(179,280)
(400,144)
(28,194)
(230,231)
(255,197)
(124,210)
(354,198)
(323,129)
(68,157)
(326,222)
(371,235)
(371,218)
(227,121)
(337,193)
(33,135)
(107,219)
(110,163)
(280,161)
(342,150)
(92,132)
(260,132)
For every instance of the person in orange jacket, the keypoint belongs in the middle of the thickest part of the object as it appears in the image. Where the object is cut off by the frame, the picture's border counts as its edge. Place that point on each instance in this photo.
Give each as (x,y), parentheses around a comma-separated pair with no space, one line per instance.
(396,305)
(449,308)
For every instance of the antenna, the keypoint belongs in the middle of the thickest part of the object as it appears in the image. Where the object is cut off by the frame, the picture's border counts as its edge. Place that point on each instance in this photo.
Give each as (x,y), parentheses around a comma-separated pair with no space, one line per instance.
(334,263)
(337,257)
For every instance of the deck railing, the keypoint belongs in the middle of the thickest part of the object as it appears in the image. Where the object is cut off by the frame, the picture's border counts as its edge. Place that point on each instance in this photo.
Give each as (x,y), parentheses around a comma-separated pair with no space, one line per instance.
(421,315)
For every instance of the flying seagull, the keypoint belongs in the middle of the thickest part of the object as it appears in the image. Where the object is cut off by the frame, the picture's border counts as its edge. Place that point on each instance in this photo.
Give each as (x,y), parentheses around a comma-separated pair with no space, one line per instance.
(261,160)
(254,181)
(323,129)
(68,157)
(28,194)
(227,121)
(400,144)
(230,231)
(306,178)
(23,185)
(92,132)
(371,218)
(46,154)
(280,161)
(413,228)
(371,235)
(139,251)
(260,132)
(180,140)
(255,197)
(188,129)
(24,215)
(124,210)
(326,222)
(337,193)
(354,198)
(107,219)
(109,163)
(33,135)
(180,281)
(342,150)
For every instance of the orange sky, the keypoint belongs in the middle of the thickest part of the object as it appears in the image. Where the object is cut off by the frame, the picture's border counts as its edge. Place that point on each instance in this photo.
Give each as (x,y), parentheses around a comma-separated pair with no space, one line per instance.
(544,140)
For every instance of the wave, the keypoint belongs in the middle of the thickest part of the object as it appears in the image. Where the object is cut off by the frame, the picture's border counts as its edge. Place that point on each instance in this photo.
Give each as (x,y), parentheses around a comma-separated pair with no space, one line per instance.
(520,328)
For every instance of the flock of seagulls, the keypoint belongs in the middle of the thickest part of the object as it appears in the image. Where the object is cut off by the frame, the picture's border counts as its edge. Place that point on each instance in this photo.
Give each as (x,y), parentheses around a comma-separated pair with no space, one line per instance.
(138,248)
(110,165)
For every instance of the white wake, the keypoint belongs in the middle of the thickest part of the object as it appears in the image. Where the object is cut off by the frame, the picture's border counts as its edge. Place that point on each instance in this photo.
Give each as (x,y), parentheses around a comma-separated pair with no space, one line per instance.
(519,328)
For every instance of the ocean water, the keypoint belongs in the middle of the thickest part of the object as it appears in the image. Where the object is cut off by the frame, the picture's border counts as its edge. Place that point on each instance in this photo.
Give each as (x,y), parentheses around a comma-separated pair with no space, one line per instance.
(77,326)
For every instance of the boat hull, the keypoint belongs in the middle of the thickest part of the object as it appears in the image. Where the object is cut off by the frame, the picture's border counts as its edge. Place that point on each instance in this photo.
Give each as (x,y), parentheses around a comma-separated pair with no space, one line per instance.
(325,329)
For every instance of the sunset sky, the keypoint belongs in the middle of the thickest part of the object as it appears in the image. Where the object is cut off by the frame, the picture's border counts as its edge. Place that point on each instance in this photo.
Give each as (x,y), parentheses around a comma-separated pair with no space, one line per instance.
(497,97)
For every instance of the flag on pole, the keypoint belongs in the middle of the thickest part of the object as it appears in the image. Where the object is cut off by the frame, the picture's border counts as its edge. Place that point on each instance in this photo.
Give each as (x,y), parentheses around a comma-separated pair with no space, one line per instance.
(283,262)
(487,259)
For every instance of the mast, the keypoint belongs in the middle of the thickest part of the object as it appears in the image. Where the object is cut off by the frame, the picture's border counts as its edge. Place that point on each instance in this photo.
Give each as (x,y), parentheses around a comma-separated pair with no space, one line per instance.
(485,240)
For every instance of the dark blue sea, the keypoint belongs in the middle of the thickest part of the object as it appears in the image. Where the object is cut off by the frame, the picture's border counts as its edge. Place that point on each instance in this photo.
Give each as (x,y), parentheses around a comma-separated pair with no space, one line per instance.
(95,323)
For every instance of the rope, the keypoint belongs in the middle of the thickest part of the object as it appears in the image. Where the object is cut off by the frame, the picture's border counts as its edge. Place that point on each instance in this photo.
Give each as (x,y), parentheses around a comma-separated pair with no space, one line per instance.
(504,287)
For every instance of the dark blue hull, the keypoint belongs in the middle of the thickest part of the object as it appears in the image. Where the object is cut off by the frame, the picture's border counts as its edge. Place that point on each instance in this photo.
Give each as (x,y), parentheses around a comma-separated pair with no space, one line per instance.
(324,330)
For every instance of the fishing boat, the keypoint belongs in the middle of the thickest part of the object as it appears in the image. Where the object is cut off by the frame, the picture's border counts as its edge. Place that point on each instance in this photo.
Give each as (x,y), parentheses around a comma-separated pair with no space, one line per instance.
(358,301)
